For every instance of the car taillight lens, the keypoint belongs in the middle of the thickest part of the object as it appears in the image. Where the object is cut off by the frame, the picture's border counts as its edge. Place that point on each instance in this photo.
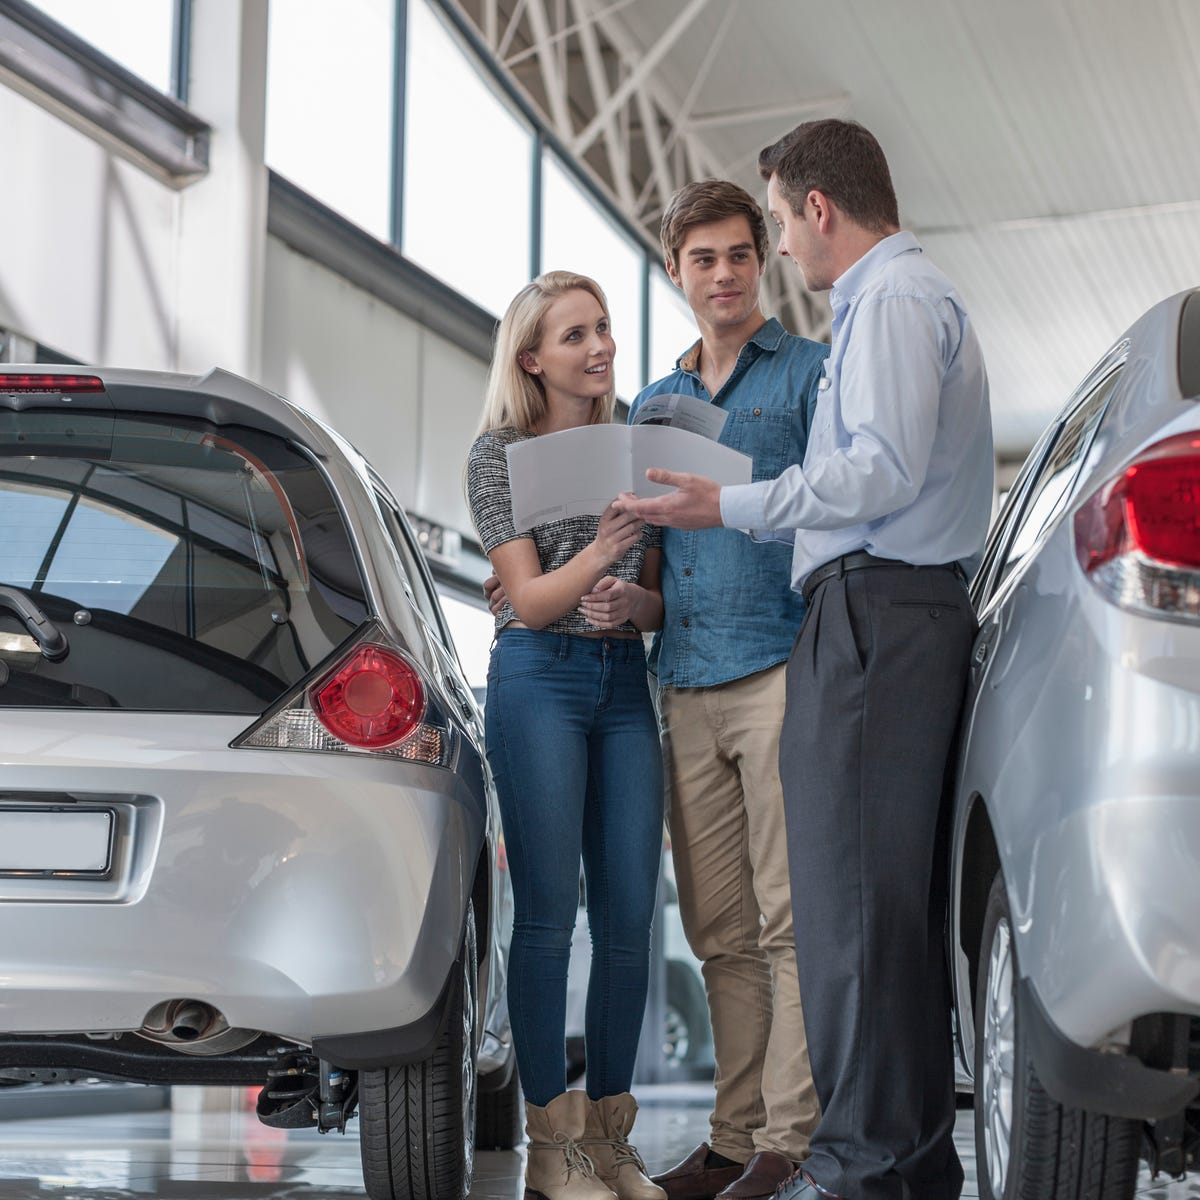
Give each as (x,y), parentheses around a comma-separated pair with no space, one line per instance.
(371,700)
(50,383)
(1138,538)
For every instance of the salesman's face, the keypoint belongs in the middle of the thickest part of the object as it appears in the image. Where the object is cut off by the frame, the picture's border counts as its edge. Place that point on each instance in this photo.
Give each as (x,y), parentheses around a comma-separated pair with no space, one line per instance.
(719,273)
(797,239)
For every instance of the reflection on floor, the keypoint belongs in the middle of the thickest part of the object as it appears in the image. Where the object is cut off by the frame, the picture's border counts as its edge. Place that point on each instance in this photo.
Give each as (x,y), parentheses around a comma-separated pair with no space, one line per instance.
(230,1156)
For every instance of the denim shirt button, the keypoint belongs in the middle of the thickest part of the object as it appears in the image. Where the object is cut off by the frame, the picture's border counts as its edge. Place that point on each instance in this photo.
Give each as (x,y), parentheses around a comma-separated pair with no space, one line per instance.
(758,412)
(685,622)
(687,570)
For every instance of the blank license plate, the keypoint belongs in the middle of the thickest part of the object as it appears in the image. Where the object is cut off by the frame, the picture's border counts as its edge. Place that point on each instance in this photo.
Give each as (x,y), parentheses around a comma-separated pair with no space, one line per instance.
(76,842)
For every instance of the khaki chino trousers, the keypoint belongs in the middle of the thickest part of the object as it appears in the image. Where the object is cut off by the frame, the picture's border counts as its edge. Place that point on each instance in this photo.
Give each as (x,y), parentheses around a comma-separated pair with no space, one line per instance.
(729,847)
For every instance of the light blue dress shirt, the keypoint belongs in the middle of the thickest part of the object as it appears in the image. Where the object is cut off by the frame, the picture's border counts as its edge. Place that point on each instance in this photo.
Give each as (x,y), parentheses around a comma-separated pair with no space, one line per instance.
(899,459)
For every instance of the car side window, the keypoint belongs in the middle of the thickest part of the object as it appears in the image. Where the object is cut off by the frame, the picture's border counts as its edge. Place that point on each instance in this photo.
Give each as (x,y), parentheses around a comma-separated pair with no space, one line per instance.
(1000,534)
(415,576)
(1049,492)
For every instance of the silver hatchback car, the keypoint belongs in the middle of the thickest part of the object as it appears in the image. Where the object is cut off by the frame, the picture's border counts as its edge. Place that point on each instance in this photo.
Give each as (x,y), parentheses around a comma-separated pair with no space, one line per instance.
(247,831)
(1075,883)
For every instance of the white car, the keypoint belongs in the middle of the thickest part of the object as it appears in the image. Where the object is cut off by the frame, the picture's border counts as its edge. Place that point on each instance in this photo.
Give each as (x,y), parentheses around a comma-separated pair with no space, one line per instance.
(247,830)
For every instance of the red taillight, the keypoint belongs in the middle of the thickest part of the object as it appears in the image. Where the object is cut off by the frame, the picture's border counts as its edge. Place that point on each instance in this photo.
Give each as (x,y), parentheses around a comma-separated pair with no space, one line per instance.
(371,700)
(1152,508)
(50,383)
(1138,537)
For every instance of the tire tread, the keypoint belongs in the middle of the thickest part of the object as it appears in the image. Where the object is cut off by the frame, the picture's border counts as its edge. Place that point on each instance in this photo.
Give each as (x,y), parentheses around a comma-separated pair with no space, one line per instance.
(411,1143)
(1057,1153)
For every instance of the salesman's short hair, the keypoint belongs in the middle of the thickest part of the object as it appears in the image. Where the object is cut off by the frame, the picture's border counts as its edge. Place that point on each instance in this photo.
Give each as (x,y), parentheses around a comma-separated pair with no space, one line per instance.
(841,159)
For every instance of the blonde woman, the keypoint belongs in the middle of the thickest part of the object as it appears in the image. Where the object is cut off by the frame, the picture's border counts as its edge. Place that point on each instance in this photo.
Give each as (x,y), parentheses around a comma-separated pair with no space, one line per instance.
(573,745)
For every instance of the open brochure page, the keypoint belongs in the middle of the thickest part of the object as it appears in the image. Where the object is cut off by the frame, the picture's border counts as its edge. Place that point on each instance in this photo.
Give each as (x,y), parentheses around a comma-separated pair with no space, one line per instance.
(581,471)
(682,412)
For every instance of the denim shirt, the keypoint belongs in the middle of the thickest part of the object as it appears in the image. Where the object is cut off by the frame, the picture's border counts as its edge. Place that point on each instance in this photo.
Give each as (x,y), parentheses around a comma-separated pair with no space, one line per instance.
(729,606)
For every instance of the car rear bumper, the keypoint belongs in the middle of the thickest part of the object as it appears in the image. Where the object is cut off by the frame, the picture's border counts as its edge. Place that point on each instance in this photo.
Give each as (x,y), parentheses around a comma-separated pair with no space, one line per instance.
(304,895)
(1112,1083)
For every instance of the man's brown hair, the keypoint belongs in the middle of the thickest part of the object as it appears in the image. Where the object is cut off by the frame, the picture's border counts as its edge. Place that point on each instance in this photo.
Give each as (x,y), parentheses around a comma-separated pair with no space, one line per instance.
(841,159)
(703,202)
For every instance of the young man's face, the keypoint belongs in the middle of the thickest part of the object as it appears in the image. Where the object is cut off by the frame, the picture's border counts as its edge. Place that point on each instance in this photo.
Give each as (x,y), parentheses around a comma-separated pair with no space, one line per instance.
(797,239)
(719,273)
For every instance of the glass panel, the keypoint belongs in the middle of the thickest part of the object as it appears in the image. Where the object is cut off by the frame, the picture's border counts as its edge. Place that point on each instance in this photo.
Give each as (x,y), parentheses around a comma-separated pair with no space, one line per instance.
(329,104)
(213,566)
(672,327)
(578,236)
(473,628)
(1049,493)
(136,33)
(466,217)
(29,519)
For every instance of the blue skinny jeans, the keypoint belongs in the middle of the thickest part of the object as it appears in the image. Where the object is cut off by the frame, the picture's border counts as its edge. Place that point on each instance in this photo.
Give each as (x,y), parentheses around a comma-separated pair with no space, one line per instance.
(573,744)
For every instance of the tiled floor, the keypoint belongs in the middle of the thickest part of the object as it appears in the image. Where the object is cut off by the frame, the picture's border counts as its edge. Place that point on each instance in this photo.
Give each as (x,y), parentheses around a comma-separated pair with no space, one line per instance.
(230,1156)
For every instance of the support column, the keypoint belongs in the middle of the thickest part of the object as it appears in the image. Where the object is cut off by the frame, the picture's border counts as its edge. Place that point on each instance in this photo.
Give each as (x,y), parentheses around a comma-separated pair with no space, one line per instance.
(223,218)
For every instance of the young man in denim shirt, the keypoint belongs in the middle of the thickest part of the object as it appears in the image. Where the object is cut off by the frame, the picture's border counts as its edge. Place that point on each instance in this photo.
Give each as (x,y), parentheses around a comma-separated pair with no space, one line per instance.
(731,617)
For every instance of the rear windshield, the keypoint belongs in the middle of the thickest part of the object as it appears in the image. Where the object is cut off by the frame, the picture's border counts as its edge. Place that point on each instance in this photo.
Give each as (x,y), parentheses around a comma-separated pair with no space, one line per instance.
(190,568)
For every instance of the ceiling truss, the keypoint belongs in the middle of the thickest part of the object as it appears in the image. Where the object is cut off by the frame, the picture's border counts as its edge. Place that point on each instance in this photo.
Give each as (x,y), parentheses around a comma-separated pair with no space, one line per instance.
(601,96)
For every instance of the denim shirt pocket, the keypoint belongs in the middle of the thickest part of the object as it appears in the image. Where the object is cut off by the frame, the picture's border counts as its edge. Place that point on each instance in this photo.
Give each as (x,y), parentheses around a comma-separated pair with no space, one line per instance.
(767,435)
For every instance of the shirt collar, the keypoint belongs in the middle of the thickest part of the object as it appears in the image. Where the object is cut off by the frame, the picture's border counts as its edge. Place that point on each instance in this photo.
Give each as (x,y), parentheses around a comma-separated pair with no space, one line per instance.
(768,336)
(852,281)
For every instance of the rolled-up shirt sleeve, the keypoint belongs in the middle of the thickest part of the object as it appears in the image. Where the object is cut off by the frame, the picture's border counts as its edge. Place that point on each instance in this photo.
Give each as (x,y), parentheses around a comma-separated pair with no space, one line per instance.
(871,445)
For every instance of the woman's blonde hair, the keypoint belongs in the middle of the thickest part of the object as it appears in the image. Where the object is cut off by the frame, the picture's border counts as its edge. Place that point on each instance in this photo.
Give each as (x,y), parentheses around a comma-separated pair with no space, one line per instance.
(514,399)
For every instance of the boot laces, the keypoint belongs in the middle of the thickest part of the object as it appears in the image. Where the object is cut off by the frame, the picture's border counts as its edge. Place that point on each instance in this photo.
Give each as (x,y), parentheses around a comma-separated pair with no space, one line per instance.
(576,1157)
(624,1152)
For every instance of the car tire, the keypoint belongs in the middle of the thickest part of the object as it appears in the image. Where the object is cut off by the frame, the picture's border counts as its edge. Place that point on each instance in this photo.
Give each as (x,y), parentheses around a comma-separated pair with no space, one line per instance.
(417,1121)
(499,1118)
(1027,1145)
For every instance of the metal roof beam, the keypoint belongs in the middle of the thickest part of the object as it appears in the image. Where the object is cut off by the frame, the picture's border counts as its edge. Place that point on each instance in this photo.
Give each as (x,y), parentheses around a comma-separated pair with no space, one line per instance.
(639,75)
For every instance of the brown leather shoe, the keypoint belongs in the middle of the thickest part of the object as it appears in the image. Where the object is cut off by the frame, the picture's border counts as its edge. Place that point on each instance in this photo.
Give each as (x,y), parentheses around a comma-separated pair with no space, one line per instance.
(765,1171)
(692,1180)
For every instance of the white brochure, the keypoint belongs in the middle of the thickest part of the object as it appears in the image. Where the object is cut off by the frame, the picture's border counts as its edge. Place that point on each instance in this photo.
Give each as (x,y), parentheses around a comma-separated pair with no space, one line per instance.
(682,412)
(577,471)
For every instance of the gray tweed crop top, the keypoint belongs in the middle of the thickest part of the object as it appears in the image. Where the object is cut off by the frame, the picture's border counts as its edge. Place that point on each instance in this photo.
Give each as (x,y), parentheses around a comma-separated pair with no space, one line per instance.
(557,542)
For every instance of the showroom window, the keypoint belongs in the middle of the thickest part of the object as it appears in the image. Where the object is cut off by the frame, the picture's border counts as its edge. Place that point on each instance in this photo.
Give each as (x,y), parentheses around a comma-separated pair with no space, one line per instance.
(467,171)
(473,629)
(672,327)
(577,235)
(138,34)
(330,96)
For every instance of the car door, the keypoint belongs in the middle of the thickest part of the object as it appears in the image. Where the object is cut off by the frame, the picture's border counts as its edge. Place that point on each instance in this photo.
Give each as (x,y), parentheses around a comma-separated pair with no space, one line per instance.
(1018,627)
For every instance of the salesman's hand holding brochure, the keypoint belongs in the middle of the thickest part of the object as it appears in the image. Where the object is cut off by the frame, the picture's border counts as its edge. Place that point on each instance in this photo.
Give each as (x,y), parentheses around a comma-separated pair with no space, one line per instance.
(577,471)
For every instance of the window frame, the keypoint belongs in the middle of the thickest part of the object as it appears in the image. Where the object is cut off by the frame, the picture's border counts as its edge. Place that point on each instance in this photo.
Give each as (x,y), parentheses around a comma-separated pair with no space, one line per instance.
(1090,399)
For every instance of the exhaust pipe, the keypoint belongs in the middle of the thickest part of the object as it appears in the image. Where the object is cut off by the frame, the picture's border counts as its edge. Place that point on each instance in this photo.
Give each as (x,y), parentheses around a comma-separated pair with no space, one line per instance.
(192,1019)
(193,1027)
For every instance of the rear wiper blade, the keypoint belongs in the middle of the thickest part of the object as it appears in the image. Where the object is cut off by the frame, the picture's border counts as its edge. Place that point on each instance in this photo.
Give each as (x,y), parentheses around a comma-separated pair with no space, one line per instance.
(49,637)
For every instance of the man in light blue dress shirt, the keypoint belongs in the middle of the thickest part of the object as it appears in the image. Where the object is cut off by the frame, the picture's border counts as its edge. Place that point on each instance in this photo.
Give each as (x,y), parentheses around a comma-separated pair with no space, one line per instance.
(887,516)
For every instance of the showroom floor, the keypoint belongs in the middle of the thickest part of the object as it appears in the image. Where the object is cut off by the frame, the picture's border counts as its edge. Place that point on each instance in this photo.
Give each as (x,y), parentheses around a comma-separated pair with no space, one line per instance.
(230,1156)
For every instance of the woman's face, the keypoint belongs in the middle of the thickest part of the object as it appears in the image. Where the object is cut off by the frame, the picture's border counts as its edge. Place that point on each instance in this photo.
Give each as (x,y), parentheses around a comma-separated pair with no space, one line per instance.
(575,356)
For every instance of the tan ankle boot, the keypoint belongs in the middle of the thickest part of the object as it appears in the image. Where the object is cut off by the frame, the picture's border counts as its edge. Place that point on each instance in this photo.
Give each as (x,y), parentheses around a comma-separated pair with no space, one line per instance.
(556,1166)
(617,1162)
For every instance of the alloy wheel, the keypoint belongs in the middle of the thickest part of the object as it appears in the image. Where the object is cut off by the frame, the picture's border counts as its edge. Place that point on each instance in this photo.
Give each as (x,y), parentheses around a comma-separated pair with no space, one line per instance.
(999,1057)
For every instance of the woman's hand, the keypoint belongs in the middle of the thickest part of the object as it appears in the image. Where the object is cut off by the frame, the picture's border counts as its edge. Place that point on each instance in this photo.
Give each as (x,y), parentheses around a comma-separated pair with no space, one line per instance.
(616,533)
(611,603)
(494,594)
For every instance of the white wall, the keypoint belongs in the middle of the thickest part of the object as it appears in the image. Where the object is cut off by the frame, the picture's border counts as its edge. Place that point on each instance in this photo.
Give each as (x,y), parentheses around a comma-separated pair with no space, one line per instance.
(88,245)
(109,265)
(407,398)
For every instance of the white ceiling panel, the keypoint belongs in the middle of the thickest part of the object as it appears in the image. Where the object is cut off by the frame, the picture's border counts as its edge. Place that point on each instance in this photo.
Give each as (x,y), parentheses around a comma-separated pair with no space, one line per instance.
(1047,152)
